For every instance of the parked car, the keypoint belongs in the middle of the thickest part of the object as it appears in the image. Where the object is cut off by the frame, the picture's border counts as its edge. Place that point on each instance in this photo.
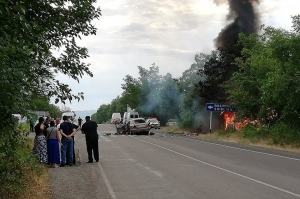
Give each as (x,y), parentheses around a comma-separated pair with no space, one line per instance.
(154,123)
(171,122)
(138,125)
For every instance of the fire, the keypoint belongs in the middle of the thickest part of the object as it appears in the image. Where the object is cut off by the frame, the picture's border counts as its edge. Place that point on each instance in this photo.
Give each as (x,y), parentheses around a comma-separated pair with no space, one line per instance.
(228,119)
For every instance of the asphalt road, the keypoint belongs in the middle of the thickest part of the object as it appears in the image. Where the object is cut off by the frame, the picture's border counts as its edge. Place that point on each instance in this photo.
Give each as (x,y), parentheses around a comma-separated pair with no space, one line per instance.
(165,166)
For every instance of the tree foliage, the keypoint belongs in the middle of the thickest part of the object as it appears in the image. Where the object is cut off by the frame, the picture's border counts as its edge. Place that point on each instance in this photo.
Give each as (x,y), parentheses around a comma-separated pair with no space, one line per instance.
(218,69)
(190,108)
(267,86)
(30,32)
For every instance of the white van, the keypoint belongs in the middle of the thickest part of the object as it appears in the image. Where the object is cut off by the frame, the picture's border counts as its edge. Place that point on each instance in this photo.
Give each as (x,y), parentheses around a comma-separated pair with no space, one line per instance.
(115,118)
(71,115)
(129,115)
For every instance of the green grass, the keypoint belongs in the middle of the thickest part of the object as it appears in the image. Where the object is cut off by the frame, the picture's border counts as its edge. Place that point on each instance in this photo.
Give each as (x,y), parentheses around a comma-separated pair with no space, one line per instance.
(281,137)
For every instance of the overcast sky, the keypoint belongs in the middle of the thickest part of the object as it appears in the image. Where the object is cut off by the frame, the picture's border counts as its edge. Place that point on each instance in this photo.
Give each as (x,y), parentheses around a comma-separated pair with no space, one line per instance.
(135,33)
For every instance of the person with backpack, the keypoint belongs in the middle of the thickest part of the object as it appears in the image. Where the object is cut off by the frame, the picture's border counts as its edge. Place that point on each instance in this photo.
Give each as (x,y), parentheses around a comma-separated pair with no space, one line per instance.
(67,130)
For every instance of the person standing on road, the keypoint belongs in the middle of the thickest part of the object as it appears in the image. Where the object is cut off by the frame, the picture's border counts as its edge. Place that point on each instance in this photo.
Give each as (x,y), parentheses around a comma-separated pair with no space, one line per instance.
(89,128)
(79,121)
(57,121)
(31,124)
(67,131)
(40,142)
(47,125)
(53,140)
(67,157)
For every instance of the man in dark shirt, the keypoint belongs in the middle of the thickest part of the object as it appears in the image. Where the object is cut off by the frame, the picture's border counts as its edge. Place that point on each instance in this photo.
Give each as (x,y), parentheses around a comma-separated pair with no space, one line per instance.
(31,124)
(67,156)
(67,130)
(89,128)
(79,121)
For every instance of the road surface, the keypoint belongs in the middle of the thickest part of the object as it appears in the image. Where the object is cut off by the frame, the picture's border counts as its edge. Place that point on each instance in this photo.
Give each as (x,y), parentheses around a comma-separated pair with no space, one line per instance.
(164,166)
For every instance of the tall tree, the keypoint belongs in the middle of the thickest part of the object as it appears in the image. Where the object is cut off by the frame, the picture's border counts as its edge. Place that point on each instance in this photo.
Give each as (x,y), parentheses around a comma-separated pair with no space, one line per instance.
(218,69)
(150,89)
(30,30)
(190,105)
(131,92)
(267,86)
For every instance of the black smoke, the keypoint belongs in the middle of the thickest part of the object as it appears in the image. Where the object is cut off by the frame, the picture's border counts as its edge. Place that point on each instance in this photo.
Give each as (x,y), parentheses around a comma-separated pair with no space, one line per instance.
(244,19)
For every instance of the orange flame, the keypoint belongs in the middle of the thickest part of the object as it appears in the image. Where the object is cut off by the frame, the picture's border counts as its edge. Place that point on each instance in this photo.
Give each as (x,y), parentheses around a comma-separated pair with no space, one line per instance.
(228,119)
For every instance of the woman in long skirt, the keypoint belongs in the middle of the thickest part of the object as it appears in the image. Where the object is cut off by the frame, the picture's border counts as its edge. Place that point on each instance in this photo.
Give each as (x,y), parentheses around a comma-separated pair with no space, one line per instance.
(53,145)
(40,142)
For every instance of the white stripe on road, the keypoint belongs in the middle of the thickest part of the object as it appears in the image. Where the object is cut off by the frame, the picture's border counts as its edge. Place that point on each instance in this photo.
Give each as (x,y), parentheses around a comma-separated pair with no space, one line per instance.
(109,187)
(280,156)
(222,169)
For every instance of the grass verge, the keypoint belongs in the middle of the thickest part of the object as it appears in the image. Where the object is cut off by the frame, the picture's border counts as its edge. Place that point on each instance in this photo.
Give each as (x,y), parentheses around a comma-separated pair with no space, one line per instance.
(237,137)
(39,184)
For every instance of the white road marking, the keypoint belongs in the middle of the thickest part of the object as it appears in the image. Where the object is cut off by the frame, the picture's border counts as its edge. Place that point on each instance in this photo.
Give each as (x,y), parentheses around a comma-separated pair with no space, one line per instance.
(222,169)
(280,156)
(109,187)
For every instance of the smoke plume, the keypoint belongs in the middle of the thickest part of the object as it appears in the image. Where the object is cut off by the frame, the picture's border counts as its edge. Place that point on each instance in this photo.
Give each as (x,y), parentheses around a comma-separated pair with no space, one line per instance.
(244,19)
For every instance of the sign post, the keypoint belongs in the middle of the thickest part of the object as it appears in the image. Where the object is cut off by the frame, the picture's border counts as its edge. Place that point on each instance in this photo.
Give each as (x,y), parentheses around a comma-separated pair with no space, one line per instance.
(210,120)
(217,108)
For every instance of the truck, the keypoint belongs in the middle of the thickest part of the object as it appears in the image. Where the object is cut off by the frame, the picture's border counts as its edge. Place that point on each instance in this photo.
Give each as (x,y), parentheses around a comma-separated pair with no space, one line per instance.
(122,127)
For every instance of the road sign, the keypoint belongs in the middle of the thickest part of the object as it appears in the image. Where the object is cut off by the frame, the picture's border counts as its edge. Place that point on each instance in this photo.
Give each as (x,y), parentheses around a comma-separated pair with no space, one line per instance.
(219,107)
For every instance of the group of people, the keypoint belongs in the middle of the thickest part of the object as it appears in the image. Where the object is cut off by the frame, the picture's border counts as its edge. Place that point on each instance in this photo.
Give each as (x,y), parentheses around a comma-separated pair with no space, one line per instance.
(49,139)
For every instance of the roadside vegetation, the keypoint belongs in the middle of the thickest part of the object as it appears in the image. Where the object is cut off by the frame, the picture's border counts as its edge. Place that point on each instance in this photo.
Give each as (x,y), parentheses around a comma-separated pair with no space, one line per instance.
(258,74)
(250,135)
(37,43)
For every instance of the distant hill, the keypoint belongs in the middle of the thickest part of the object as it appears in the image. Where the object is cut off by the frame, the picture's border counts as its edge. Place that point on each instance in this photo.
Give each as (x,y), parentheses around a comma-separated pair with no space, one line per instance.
(82,114)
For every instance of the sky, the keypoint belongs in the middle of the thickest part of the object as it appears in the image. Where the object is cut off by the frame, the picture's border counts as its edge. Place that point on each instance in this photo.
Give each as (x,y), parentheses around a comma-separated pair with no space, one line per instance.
(168,33)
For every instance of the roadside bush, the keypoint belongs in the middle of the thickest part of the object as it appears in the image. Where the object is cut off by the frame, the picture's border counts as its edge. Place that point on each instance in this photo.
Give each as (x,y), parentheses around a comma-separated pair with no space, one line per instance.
(279,134)
(16,161)
(283,134)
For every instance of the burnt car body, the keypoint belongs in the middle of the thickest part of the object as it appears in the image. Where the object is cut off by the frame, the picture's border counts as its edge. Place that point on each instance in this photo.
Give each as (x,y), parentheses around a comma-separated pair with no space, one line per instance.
(138,125)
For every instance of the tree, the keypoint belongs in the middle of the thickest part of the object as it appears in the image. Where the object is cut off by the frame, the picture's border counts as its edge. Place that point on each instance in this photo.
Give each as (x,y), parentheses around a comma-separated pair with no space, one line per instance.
(266,86)
(42,103)
(168,100)
(131,92)
(103,114)
(29,33)
(150,81)
(218,69)
(190,105)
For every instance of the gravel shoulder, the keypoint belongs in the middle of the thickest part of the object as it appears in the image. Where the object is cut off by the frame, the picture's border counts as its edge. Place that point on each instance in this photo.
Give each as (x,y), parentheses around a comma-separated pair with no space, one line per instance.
(83,180)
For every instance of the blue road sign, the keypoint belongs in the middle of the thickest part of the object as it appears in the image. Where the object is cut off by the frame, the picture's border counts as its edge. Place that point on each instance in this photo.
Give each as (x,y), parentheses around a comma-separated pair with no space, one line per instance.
(219,107)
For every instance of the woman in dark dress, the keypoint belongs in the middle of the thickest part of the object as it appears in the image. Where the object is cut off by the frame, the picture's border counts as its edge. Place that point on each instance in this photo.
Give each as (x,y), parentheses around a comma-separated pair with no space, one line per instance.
(40,142)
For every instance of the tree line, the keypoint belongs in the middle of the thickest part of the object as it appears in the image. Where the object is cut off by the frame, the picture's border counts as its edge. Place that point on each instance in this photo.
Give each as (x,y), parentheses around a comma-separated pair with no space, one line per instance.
(258,75)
